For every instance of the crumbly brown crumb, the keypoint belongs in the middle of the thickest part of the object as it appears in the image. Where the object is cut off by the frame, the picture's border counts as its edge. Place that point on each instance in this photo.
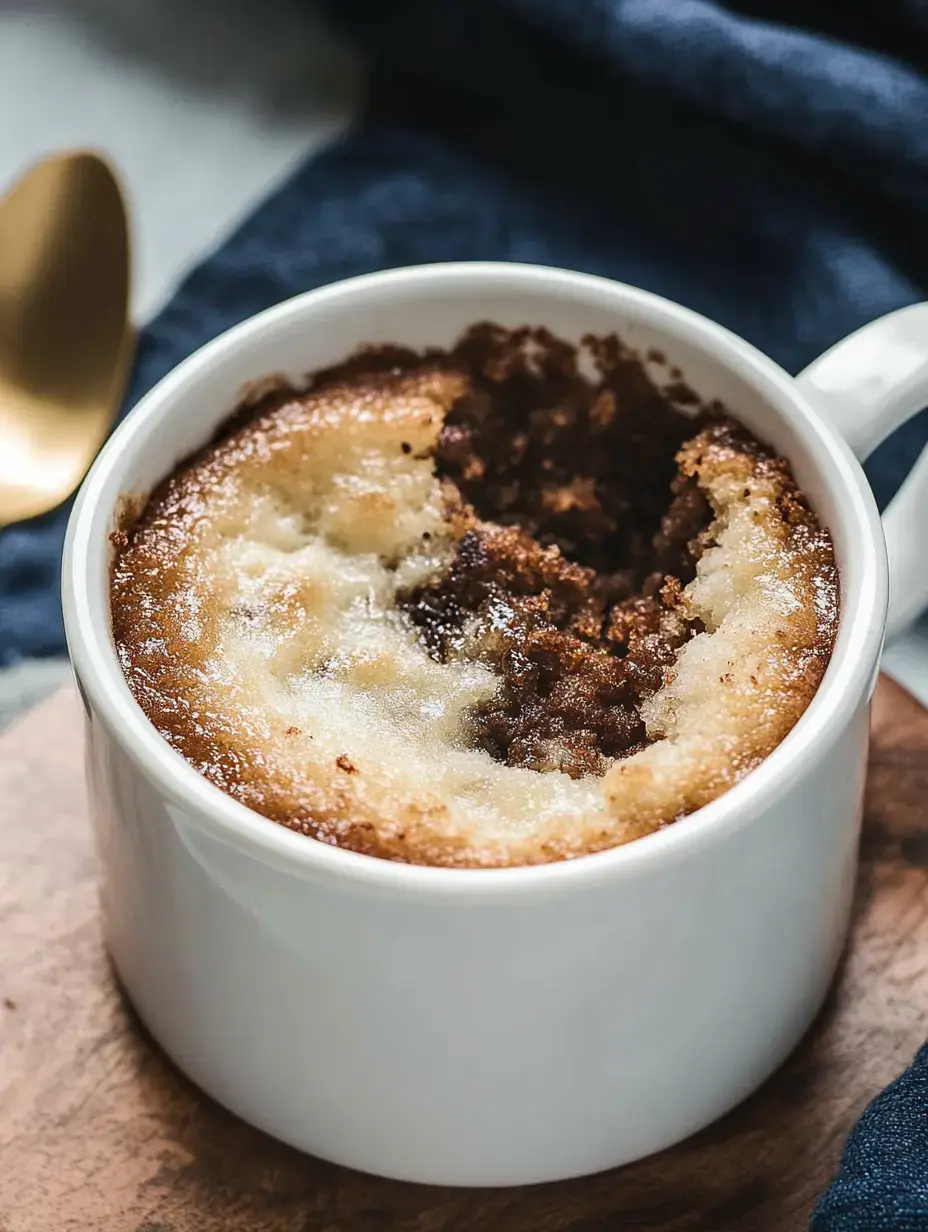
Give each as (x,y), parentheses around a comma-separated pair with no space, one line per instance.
(574,668)
(585,465)
(554,470)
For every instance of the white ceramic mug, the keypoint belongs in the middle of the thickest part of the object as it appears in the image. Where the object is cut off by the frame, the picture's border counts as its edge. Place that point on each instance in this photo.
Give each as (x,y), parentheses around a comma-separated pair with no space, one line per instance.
(489,1027)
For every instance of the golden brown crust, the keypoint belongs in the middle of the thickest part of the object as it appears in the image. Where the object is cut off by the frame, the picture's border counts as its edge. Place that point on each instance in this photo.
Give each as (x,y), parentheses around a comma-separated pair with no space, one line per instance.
(254,613)
(767,594)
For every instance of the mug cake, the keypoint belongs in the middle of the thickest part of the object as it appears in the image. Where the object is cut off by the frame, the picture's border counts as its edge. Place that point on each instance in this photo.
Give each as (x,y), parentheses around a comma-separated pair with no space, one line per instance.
(513,602)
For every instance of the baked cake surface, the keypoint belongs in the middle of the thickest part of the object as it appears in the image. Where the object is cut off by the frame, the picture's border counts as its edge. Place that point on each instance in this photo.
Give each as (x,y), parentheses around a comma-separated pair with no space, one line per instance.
(478,608)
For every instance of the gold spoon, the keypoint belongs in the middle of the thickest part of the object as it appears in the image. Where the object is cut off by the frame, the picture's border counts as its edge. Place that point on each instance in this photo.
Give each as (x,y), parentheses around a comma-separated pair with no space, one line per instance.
(65,337)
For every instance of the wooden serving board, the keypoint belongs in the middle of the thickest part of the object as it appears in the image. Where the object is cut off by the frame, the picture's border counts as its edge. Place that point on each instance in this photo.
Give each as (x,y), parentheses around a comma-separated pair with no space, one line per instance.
(99,1131)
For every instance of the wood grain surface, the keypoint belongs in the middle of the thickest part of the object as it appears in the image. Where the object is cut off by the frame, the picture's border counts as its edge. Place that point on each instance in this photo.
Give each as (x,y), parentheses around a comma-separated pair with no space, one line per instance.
(99,1131)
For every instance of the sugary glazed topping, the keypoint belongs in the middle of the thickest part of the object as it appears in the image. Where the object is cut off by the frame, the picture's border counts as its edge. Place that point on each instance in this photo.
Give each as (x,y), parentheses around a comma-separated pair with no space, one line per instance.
(477,608)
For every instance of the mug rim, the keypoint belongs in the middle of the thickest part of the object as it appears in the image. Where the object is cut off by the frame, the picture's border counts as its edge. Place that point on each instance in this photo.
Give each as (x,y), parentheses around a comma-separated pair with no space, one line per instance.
(861,619)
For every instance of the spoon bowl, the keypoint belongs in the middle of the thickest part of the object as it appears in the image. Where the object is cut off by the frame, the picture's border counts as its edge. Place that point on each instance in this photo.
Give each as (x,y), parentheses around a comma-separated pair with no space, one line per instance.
(65,337)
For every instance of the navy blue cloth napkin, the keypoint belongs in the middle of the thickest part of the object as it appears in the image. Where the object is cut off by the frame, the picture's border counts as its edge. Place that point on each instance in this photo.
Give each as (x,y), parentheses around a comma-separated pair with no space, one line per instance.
(763,162)
(883,1182)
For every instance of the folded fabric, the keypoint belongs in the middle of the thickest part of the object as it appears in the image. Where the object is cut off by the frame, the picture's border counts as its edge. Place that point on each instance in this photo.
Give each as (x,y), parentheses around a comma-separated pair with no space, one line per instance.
(883,1182)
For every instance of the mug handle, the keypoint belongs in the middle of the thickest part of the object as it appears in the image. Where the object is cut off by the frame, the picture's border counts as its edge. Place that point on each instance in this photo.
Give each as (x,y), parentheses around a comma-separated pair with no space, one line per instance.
(868,385)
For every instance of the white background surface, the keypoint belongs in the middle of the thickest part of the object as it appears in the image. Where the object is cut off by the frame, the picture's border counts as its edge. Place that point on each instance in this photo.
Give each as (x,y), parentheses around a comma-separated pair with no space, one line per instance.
(204,105)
